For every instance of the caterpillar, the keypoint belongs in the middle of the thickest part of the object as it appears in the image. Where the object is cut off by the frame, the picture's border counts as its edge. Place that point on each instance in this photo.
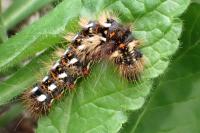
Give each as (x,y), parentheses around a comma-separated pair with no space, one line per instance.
(103,39)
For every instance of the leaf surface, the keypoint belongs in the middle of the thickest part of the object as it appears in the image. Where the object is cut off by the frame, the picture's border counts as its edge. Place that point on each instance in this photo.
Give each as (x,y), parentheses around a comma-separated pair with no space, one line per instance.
(100,102)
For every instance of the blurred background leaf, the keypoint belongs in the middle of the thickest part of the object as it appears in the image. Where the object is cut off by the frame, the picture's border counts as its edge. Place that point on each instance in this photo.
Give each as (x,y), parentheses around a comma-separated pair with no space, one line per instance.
(21,9)
(3,34)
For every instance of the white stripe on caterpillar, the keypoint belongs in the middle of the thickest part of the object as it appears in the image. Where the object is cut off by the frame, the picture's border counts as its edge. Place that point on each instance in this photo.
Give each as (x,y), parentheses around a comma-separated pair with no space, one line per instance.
(52,87)
(45,78)
(62,75)
(41,98)
(81,47)
(34,89)
(72,61)
(55,65)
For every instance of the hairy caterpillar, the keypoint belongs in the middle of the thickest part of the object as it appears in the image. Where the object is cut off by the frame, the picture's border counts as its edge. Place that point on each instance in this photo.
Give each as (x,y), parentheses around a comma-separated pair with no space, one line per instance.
(97,40)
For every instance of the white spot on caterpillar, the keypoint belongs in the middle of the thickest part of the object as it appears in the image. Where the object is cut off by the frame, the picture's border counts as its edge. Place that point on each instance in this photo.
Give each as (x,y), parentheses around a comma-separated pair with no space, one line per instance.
(72,61)
(55,65)
(90,30)
(67,50)
(34,89)
(103,39)
(41,98)
(91,39)
(89,25)
(52,87)
(62,75)
(107,25)
(45,78)
(75,37)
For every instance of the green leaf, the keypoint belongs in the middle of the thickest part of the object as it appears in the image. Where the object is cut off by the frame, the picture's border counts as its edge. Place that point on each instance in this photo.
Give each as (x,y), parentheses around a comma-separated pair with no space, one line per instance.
(197,1)
(38,36)
(174,107)
(100,102)
(3,34)
(12,112)
(21,9)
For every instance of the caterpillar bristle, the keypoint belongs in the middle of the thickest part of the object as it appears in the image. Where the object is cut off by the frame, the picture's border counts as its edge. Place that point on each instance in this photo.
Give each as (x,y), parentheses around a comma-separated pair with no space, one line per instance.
(104,39)
(129,60)
(103,18)
(131,26)
(83,22)
(36,109)
(59,52)
(133,45)
(132,72)
(69,37)
(106,15)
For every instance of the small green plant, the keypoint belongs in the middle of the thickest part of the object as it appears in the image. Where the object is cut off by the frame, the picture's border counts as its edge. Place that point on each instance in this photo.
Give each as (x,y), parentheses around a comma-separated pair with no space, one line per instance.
(164,100)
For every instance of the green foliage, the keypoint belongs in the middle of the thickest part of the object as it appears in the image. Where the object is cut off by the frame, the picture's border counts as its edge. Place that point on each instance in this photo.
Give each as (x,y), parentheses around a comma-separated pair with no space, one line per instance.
(13,112)
(103,102)
(3,36)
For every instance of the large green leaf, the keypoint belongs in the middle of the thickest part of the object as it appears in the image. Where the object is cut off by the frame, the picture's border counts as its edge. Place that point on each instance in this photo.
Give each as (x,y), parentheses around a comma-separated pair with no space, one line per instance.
(101,101)
(174,107)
